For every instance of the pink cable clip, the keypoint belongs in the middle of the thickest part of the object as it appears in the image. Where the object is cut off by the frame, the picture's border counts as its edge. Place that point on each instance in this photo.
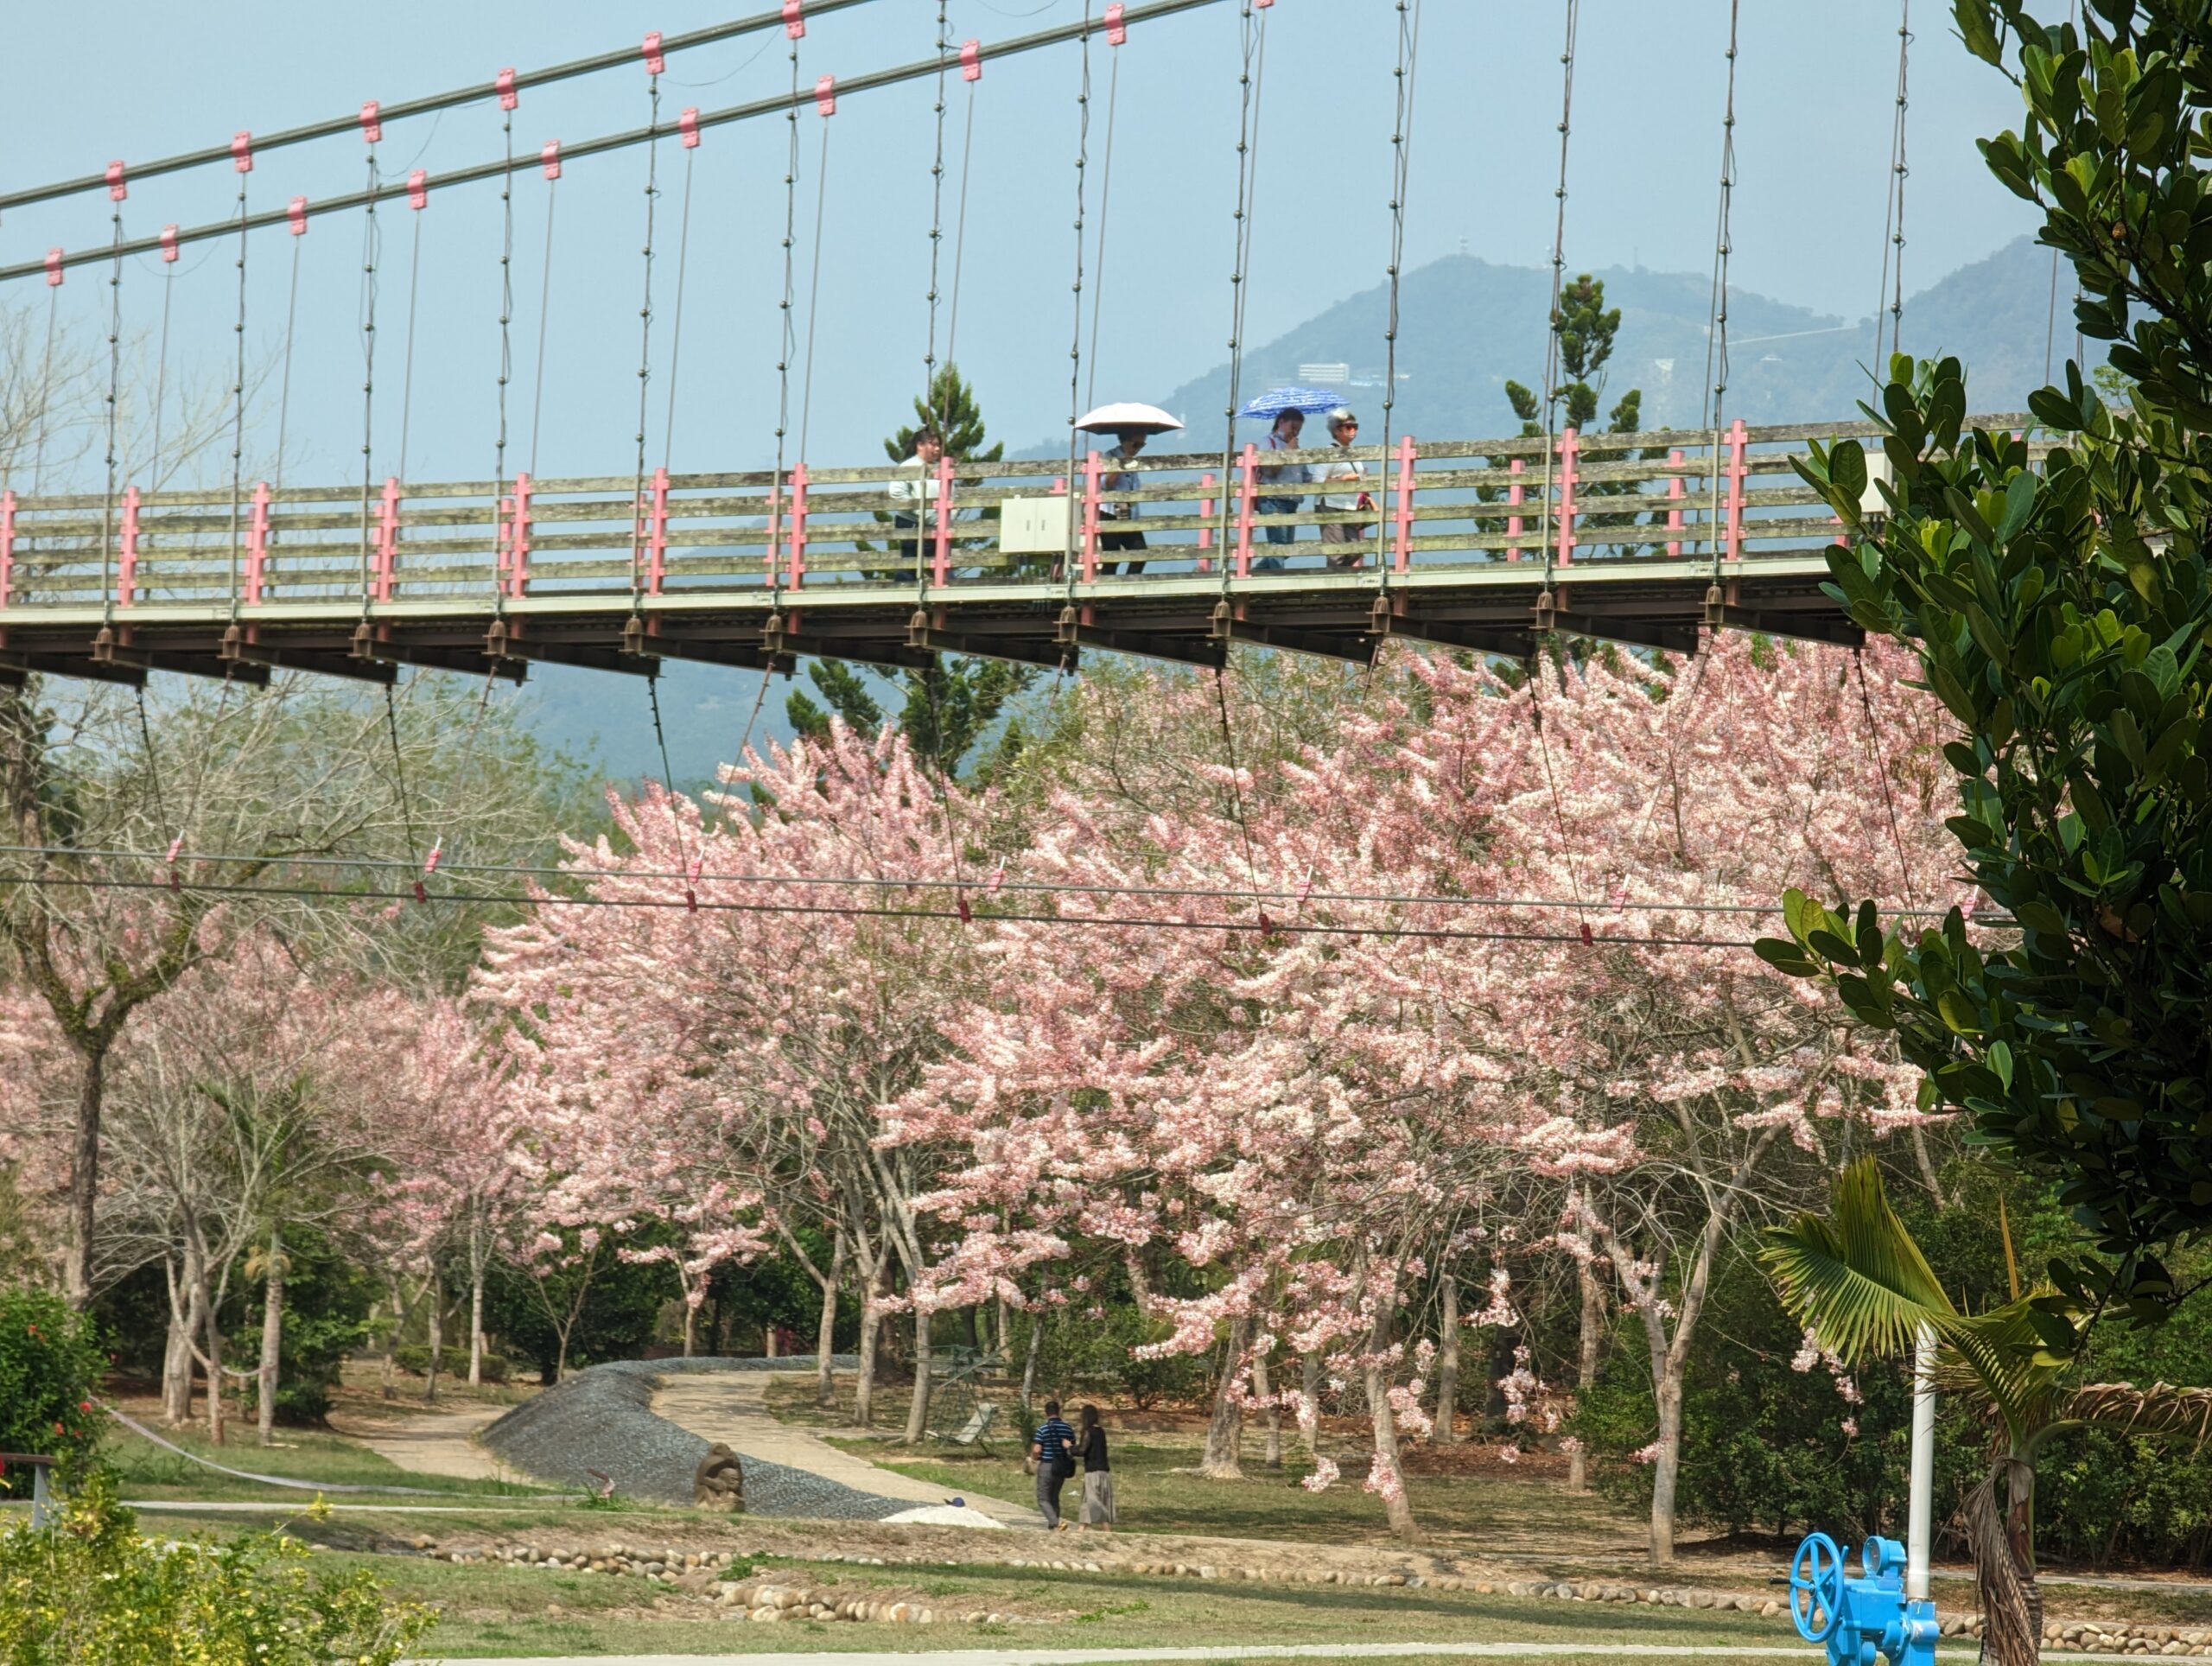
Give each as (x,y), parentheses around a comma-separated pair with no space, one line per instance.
(372,122)
(297,212)
(688,124)
(655,62)
(960,902)
(691,884)
(550,156)
(242,152)
(176,845)
(825,95)
(116,190)
(795,19)
(971,61)
(53,269)
(430,867)
(998,878)
(503,84)
(418,188)
(168,244)
(1117,32)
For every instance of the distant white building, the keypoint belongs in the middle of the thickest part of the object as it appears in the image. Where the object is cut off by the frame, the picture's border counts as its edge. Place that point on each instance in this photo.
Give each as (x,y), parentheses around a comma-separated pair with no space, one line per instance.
(1326,376)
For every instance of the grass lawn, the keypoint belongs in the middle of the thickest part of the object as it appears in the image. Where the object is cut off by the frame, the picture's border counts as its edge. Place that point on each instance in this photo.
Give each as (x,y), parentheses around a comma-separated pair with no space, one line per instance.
(495,1611)
(146,1471)
(1501,1516)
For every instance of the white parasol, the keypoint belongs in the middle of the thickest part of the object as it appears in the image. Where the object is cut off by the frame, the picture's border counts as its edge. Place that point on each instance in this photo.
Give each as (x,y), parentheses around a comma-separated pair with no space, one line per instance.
(1111,419)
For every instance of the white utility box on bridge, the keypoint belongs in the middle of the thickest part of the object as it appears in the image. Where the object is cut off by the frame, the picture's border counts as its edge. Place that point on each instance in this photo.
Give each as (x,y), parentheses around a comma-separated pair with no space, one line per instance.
(1034,526)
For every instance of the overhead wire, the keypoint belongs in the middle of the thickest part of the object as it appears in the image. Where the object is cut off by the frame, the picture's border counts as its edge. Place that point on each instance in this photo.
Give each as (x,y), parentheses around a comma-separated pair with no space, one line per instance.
(114,407)
(787,344)
(1069,568)
(1552,339)
(644,353)
(1105,199)
(372,249)
(1404,82)
(1249,40)
(1893,212)
(1716,340)
(544,314)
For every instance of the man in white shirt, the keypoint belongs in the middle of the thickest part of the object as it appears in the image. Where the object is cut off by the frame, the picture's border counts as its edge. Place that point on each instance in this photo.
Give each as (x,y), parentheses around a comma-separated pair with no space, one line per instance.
(912,490)
(1343,434)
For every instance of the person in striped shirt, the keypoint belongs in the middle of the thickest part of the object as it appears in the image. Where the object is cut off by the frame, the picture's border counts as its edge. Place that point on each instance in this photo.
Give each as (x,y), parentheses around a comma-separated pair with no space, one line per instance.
(1053,1449)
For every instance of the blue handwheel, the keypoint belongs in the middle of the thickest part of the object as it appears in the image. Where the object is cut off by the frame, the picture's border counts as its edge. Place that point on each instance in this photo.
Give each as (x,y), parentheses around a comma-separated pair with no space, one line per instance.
(1816,1587)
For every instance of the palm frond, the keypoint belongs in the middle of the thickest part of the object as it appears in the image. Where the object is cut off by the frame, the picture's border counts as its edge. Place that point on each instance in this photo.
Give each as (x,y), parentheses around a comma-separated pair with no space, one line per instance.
(2159,1409)
(1855,1276)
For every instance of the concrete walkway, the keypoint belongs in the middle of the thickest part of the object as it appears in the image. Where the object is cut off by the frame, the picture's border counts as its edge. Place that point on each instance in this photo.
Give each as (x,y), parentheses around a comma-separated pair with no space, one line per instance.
(732,1406)
(431,1443)
(1066,1655)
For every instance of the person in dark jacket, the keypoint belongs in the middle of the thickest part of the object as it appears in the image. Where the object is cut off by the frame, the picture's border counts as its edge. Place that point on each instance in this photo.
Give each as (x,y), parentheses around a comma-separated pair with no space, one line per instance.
(1098,1476)
(1052,1450)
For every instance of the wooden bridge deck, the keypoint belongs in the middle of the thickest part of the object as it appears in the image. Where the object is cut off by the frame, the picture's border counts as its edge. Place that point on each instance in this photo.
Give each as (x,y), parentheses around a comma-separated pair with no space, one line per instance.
(1479,543)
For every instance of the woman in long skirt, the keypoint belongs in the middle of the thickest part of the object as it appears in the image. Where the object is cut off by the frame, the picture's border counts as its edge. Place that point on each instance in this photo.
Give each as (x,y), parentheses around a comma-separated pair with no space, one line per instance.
(1098,1476)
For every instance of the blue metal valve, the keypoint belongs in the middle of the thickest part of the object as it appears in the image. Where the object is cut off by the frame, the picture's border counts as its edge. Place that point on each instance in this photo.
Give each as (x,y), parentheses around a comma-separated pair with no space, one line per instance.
(1859,1618)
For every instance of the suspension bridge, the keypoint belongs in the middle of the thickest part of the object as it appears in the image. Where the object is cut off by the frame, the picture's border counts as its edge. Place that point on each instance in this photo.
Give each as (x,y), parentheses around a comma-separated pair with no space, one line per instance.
(1484,545)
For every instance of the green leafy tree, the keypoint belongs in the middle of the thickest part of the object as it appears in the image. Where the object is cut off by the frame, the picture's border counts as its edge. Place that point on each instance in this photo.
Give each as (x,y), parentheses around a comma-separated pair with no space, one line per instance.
(1587,333)
(1856,1278)
(50,1366)
(2060,609)
(951,706)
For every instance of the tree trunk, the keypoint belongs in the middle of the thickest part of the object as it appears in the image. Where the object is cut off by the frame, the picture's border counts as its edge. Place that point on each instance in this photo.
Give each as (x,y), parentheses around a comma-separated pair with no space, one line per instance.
(437,1336)
(825,1334)
(84,1178)
(392,1341)
(1264,1387)
(918,1408)
(864,1378)
(2004,1563)
(176,1358)
(476,1259)
(212,1333)
(1585,1369)
(1391,1478)
(1447,1365)
(1667,1465)
(1002,1333)
(272,1336)
(1309,1380)
(1225,1428)
(1029,1368)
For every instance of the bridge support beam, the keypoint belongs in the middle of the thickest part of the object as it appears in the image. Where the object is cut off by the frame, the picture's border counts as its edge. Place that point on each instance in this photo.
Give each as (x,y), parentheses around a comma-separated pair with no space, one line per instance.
(921,635)
(1506,643)
(1802,627)
(1207,651)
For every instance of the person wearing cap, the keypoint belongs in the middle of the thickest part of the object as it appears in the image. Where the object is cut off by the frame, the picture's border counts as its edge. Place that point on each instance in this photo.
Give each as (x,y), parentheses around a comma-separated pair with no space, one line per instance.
(1125,536)
(1333,476)
(1283,436)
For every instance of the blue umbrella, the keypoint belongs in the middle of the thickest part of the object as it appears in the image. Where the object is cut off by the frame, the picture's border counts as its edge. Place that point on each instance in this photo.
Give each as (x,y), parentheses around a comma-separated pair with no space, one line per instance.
(1275,401)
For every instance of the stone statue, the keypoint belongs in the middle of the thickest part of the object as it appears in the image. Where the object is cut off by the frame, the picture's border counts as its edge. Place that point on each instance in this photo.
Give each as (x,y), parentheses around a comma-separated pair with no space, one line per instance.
(719,1482)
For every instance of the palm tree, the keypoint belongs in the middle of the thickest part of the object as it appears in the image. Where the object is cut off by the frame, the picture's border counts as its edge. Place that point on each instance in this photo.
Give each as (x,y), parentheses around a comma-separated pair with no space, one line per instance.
(1856,1280)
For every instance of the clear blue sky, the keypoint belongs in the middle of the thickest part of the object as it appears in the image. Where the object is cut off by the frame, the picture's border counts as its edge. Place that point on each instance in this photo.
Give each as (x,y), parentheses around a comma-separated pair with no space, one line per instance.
(1815,100)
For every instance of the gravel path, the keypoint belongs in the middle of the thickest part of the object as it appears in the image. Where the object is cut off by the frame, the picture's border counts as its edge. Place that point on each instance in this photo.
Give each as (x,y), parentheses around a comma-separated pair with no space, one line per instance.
(601,1419)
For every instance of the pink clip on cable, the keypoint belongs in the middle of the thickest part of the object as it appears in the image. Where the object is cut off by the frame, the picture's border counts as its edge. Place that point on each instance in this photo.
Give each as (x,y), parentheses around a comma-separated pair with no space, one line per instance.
(116,190)
(655,62)
(53,269)
(688,124)
(242,152)
(297,211)
(971,61)
(372,122)
(1117,32)
(825,95)
(504,84)
(418,188)
(795,19)
(550,156)
(169,246)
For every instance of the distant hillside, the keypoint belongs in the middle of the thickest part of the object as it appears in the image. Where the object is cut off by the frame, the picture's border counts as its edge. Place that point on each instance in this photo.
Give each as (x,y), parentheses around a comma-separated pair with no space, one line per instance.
(1468,326)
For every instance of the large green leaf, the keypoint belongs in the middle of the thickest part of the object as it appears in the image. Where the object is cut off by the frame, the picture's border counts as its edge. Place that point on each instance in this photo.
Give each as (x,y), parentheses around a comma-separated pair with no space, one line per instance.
(1854,1275)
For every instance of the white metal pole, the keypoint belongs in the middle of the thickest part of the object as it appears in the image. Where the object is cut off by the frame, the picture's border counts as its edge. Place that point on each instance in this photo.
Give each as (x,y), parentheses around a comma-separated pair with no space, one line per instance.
(1921,1511)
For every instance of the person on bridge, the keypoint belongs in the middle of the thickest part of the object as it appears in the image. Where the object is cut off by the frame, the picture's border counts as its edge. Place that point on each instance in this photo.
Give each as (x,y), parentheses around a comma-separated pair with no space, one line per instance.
(1343,433)
(915,485)
(1122,479)
(1283,436)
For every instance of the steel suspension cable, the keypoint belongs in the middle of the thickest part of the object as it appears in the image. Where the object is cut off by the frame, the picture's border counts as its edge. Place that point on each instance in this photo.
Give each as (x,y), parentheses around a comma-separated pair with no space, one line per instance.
(237,406)
(162,374)
(284,384)
(1552,341)
(1105,198)
(788,343)
(676,321)
(502,535)
(372,250)
(1251,38)
(544,316)
(814,289)
(1716,340)
(45,388)
(644,352)
(1402,133)
(936,230)
(1893,213)
(514,81)
(407,376)
(114,405)
(960,233)
(1068,566)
